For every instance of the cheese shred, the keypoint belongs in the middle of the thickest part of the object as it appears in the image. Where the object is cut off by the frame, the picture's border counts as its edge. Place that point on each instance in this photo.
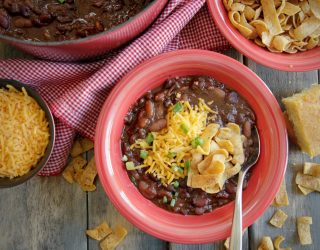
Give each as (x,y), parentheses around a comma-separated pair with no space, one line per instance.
(171,149)
(24,132)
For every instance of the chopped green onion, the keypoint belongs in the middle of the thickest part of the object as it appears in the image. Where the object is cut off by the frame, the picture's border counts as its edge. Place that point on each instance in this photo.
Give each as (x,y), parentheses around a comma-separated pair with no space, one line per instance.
(172,155)
(187,164)
(149,138)
(176,184)
(164,200)
(184,128)
(133,180)
(61,1)
(173,202)
(124,158)
(177,169)
(198,141)
(143,154)
(177,107)
(130,165)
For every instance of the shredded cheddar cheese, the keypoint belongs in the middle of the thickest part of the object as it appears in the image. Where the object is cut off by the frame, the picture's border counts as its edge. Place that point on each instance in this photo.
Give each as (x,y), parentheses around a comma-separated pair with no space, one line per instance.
(24,132)
(171,148)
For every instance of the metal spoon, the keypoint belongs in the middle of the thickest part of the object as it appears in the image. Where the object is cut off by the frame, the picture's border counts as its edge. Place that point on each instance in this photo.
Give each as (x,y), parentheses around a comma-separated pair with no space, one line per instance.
(236,233)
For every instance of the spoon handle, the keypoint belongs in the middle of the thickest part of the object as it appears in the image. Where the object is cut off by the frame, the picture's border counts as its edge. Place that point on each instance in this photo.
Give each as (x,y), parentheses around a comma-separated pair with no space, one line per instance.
(236,233)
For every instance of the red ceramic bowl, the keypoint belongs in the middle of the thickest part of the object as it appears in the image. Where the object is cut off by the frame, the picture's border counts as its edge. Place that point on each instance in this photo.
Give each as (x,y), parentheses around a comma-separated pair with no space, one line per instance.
(266,176)
(301,61)
(92,46)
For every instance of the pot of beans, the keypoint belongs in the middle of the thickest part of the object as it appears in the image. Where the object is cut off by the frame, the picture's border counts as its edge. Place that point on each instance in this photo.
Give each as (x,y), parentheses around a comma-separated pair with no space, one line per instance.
(173,136)
(71,30)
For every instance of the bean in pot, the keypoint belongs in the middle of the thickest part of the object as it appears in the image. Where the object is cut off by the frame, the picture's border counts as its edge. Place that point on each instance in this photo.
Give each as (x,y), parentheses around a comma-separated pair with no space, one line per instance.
(143,121)
(158,125)
(149,106)
(147,190)
(247,129)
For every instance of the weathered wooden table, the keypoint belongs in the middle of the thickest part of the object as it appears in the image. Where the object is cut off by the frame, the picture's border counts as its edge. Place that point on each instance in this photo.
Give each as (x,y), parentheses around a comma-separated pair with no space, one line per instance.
(48,213)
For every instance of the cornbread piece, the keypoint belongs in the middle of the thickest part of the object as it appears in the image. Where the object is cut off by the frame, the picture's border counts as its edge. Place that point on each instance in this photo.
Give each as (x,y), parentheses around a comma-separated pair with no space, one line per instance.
(303,110)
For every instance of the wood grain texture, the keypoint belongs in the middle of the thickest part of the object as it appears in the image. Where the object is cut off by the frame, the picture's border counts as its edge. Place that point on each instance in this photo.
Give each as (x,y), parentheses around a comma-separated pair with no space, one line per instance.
(284,84)
(43,213)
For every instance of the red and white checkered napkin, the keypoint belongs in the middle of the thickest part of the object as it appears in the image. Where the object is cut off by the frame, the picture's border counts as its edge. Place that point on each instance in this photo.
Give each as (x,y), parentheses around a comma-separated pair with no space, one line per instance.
(76,92)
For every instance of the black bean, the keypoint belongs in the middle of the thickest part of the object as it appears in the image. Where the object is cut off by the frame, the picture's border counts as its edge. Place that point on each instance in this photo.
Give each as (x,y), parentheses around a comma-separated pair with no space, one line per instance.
(142,133)
(45,18)
(149,95)
(128,118)
(167,102)
(133,139)
(169,83)
(25,11)
(142,101)
(232,97)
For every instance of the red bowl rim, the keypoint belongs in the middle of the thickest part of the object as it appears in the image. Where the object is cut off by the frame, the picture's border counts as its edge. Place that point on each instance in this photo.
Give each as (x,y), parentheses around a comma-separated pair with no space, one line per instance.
(101,138)
(301,61)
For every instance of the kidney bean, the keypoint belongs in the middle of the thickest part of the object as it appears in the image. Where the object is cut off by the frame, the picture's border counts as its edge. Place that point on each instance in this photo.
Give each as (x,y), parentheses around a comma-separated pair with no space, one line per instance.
(247,129)
(133,138)
(163,192)
(23,23)
(142,120)
(4,19)
(199,201)
(219,93)
(158,125)
(185,97)
(160,96)
(149,107)
(199,210)
(159,110)
(231,188)
(46,18)
(222,194)
(147,190)
(25,10)
(97,3)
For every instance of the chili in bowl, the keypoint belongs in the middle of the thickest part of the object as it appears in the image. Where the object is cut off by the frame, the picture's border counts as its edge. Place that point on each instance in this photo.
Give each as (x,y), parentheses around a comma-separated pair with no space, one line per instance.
(171,110)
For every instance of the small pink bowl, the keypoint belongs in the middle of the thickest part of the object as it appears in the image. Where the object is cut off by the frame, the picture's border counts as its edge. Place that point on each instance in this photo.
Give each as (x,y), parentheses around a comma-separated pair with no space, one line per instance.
(266,176)
(301,61)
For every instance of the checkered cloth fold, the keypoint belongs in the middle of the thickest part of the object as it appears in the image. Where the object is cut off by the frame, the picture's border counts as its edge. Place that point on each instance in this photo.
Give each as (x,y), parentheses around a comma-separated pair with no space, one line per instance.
(76,92)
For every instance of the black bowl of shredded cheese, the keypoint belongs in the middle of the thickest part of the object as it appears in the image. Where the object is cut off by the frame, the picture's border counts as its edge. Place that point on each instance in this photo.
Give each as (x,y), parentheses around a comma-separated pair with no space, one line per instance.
(27,133)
